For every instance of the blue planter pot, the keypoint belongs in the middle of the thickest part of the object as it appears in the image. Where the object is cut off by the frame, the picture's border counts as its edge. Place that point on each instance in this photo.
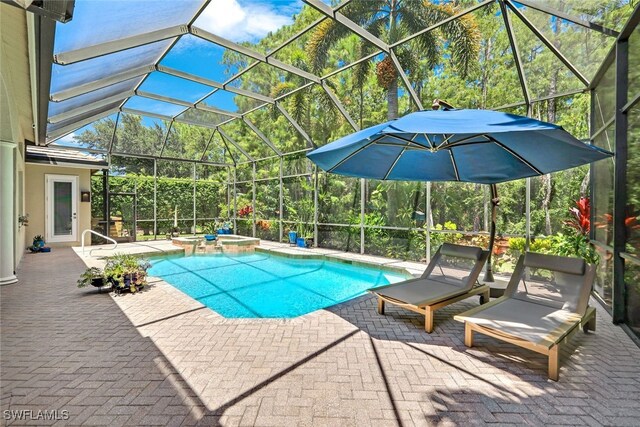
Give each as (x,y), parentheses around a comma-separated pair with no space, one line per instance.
(221,231)
(301,242)
(293,237)
(210,237)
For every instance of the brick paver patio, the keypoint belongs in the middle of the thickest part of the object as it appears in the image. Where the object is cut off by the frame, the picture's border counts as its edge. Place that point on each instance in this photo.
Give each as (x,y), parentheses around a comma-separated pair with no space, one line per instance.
(161,358)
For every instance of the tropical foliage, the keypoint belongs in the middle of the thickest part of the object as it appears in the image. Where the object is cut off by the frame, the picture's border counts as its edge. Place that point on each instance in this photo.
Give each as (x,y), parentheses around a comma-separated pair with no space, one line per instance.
(469,62)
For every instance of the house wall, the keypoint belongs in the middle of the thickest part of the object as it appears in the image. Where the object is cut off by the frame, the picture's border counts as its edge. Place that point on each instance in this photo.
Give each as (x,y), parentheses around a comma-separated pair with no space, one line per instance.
(16,125)
(35,200)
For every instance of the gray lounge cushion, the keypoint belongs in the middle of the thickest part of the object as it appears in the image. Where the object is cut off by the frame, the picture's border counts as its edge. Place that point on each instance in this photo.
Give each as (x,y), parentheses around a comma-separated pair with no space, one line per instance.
(554,281)
(555,263)
(528,321)
(421,292)
(469,252)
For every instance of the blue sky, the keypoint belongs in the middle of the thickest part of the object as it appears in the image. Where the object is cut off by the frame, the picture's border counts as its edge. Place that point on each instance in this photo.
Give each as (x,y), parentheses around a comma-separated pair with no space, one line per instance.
(236,20)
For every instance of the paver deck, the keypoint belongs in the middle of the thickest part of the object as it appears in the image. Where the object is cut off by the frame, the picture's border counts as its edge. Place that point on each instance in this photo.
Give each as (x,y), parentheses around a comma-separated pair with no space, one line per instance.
(161,358)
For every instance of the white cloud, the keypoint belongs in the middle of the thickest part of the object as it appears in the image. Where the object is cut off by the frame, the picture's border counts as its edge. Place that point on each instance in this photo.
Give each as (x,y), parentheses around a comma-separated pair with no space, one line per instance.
(243,22)
(67,139)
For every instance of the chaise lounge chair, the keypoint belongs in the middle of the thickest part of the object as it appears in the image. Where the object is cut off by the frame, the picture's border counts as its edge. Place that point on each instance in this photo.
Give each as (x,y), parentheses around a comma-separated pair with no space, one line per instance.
(545,302)
(451,276)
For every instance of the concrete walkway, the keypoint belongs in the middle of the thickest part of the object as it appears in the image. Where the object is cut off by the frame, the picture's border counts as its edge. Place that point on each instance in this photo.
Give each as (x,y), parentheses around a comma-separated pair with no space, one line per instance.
(161,358)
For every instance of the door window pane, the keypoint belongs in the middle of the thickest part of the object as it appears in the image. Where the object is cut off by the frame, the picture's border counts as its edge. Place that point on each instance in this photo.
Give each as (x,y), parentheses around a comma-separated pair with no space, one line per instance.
(62,221)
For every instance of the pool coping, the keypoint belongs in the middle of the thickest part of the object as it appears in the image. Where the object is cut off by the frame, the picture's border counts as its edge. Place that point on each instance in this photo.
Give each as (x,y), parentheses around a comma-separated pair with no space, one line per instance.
(149,250)
(328,257)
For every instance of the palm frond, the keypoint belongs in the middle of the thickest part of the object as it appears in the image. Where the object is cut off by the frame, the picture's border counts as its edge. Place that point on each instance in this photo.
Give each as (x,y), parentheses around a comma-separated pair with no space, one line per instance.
(282,88)
(464,37)
(322,39)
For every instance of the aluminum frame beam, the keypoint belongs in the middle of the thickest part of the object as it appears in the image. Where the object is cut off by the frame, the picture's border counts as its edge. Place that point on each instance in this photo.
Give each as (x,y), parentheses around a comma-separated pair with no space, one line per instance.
(187,104)
(339,105)
(195,16)
(228,44)
(106,48)
(261,135)
(562,15)
(113,135)
(548,43)
(102,83)
(89,107)
(145,113)
(352,26)
(295,124)
(77,125)
(441,23)
(206,147)
(515,52)
(215,84)
(166,138)
(235,144)
(330,13)
(543,98)
(405,80)
(366,35)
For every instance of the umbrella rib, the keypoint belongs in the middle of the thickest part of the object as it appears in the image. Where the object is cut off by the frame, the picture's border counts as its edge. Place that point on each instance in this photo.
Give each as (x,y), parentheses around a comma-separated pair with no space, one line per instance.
(393,165)
(455,166)
(413,145)
(460,141)
(428,140)
(390,135)
(516,155)
(446,139)
(354,153)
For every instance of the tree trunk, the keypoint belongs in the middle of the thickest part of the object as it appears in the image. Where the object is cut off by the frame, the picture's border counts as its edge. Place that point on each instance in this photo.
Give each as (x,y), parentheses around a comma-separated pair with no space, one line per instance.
(584,186)
(392,99)
(476,216)
(546,181)
(361,109)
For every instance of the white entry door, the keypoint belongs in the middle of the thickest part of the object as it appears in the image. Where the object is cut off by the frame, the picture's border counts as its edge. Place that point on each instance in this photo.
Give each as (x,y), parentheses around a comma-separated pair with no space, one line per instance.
(61,208)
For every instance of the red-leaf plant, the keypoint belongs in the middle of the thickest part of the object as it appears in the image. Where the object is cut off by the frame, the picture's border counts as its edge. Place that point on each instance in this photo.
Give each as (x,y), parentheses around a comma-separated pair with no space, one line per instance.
(580,216)
(245,211)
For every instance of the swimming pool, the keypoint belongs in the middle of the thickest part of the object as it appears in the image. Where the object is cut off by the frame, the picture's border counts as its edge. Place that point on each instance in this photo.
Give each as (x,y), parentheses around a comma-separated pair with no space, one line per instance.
(260,285)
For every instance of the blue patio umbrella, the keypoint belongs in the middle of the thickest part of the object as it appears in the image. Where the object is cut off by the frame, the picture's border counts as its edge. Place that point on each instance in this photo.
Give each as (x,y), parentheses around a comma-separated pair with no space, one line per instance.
(479,146)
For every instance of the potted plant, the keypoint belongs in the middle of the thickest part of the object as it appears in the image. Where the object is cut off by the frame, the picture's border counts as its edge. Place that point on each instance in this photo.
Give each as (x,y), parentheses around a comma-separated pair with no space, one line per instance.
(210,231)
(37,245)
(92,276)
(38,241)
(126,272)
(293,236)
(301,240)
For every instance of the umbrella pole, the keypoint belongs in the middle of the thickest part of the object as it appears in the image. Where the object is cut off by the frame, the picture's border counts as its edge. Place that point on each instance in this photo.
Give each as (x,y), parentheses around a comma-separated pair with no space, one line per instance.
(495,201)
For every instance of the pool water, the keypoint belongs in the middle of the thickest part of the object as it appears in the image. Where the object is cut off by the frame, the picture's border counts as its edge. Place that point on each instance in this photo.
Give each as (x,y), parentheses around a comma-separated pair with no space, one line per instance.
(259,285)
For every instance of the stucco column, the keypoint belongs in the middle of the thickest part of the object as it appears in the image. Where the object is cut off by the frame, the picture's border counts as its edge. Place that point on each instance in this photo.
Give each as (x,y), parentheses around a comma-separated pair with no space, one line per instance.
(7,203)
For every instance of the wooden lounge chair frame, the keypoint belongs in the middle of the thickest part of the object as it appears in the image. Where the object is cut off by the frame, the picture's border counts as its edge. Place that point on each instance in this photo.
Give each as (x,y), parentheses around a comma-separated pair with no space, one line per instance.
(429,307)
(550,344)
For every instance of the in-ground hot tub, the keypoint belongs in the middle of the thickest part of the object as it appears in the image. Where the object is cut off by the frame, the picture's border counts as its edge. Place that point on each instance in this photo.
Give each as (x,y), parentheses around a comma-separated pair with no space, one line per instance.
(234,243)
(231,243)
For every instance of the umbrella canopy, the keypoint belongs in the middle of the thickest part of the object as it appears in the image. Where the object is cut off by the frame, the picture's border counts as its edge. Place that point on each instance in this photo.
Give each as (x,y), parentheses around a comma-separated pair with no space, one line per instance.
(480,146)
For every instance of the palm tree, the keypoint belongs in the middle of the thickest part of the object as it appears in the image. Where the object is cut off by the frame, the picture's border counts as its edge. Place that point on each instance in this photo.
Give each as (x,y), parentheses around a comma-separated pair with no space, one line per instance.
(392,20)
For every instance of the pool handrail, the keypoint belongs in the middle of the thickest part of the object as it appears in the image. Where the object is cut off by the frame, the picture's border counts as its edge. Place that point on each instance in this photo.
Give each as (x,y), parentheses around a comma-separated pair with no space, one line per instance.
(88,230)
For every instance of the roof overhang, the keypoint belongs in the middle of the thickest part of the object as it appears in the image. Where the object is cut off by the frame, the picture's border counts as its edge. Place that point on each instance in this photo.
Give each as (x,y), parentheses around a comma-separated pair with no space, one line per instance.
(61,157)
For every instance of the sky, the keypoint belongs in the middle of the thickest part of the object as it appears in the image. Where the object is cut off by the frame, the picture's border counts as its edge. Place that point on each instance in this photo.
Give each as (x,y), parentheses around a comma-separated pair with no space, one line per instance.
(235,20)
